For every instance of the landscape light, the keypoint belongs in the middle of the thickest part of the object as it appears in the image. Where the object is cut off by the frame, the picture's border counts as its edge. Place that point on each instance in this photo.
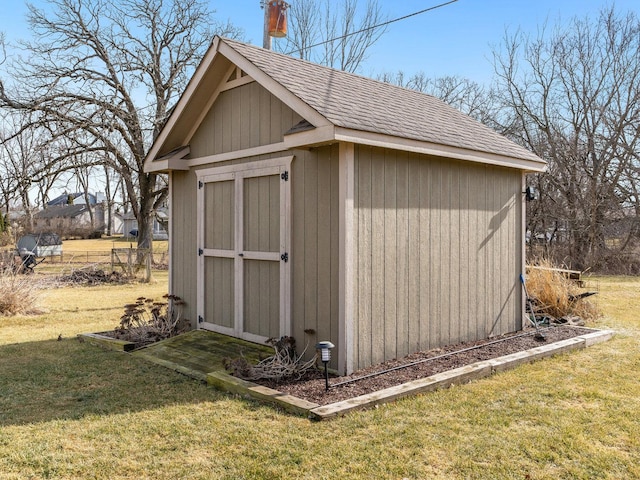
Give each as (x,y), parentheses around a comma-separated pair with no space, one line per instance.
(325,355)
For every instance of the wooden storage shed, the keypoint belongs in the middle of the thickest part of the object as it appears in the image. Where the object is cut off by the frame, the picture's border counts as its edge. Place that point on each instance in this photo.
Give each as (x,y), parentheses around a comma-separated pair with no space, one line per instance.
(315,203)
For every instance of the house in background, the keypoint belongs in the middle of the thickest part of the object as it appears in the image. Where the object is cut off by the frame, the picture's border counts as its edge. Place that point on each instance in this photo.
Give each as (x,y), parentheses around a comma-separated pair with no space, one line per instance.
(71,215)
(129,228)
(311,202)
(76,199)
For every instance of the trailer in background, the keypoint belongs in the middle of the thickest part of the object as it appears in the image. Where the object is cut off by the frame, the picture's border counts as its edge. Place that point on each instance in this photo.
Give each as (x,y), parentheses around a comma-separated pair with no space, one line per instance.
(34,248)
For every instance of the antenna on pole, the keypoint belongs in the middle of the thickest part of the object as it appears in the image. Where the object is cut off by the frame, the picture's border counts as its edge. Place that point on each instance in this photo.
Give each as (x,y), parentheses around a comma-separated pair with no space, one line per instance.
(275,20)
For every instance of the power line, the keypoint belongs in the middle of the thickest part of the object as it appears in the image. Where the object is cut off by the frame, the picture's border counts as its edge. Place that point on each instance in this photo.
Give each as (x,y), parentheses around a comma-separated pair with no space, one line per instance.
(384,24)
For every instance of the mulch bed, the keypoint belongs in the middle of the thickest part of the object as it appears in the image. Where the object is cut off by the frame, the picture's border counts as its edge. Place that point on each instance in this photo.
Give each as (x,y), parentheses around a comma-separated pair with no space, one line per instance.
(312,386)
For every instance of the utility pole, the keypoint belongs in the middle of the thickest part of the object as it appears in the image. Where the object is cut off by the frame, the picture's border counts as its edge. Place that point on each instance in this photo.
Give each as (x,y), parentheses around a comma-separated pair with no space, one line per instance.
(275,20)
(266,39)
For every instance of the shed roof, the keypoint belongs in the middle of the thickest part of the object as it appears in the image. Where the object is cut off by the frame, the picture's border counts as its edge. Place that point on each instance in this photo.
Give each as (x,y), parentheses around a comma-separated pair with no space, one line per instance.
(349,107)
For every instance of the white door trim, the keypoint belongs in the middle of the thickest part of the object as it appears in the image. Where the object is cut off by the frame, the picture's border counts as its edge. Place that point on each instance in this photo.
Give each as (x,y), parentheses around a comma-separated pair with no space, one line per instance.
(275,166)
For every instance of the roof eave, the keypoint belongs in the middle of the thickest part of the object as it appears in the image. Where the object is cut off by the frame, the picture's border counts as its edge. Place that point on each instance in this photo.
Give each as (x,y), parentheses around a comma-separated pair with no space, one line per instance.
(529,165)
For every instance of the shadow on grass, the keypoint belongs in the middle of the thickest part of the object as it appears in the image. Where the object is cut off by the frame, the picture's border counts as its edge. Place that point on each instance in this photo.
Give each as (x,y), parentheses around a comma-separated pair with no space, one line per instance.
(50,380)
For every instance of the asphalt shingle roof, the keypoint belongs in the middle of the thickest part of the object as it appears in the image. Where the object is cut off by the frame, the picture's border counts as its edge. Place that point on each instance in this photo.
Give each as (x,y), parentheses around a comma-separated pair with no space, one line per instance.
(359,103)
(62,211)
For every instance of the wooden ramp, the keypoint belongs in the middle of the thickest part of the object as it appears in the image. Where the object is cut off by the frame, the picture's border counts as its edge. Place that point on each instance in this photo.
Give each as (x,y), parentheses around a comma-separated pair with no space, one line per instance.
(200,352)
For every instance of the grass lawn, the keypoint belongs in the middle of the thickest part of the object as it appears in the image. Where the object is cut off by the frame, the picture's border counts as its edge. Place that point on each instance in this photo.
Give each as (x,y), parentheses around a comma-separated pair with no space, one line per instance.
(69,410)
(77,254)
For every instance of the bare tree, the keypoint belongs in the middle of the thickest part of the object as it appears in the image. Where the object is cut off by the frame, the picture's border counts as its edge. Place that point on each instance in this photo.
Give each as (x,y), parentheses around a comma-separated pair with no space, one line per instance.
(26,164)
(334,33)
(470,97)
(104,74)
(573,97)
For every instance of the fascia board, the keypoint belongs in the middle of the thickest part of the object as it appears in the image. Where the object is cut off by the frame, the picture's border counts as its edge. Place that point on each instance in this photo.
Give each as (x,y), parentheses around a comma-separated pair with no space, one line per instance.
(427,148)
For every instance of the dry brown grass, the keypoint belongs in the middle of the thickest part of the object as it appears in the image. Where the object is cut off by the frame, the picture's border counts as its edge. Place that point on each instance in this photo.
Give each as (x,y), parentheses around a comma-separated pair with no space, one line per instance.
(555,295)
(18,295)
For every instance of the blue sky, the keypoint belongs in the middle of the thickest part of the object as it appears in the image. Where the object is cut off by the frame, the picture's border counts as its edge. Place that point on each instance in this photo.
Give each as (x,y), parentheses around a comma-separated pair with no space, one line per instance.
(453,40)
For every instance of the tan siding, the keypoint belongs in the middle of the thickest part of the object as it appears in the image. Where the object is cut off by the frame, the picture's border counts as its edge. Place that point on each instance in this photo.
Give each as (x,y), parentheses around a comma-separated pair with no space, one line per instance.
(323,272)
(435,234)
(314,246)
(402,264)
(219,301)
(367,325)
(243,117)
(299,322)
(334,247)
(376,284)
(219,222)
(310,245)
(438,252)
(183,238)
(262,214)
(385,168)
(262,298)
(465,312)
(414,220)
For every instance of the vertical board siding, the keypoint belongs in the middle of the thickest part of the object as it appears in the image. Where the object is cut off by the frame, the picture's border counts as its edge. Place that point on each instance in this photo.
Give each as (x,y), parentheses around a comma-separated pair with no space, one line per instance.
(385,169)
(219,201)
(262,298)
(262,214)
(218,283)
(183,237)
(438,253)
(402,263)
(367,326)
(243,117)
(314,249)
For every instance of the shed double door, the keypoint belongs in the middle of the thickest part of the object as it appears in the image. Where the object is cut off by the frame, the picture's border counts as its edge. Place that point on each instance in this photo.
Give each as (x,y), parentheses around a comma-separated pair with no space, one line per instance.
(243,258)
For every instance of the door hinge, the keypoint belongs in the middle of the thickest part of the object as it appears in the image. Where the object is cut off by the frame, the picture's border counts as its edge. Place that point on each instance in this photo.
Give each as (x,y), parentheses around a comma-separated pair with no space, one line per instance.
(200,252)
(200,319)
(200,184)
(284,257)
(285,175)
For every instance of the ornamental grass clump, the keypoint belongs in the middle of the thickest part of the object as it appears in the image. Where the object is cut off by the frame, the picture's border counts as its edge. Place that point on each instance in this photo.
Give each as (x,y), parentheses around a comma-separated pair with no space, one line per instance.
(18,294)
(147,321)
(556,296)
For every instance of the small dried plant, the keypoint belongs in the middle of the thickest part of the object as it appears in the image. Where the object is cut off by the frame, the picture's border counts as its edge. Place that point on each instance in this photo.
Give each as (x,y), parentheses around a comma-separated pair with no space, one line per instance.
(148,321)
(285,363)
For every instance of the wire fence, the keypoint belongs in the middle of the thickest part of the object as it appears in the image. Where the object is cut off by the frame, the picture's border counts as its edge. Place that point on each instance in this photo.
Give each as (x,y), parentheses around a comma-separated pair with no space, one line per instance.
(89,257)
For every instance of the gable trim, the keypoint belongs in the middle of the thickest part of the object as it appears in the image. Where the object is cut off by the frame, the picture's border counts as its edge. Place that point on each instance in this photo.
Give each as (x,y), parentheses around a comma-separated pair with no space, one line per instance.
(193,84)
(284,95)
(238,82)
